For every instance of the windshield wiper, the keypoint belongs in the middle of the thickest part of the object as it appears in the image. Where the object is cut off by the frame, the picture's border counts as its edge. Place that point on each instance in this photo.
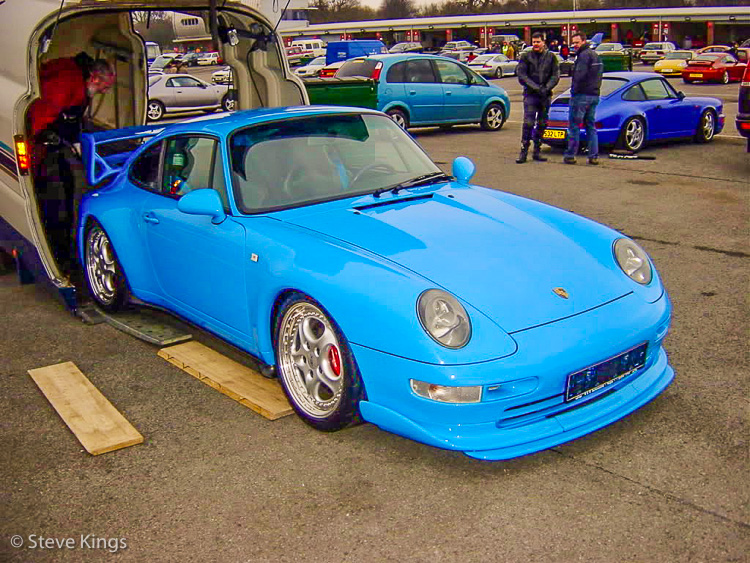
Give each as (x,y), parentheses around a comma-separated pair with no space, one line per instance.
(423,180)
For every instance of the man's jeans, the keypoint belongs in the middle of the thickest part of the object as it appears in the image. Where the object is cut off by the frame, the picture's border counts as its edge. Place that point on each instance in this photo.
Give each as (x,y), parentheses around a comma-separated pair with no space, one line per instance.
(582,110)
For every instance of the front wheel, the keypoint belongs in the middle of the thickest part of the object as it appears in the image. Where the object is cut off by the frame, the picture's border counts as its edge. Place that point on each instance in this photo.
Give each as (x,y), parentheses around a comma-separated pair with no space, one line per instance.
(706,127)
(228,102)
(104,275)
(315,365)
(155,110)
(498,72)
(633,135)
(399,117)
(493,117)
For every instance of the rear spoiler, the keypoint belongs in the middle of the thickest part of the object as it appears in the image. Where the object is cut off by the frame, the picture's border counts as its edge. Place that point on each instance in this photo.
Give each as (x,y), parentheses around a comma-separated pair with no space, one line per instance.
(98,167)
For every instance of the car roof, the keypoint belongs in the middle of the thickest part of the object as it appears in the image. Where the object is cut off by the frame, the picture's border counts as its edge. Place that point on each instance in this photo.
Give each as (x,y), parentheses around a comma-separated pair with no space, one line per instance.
(631,76)
(221,124)
(395,57)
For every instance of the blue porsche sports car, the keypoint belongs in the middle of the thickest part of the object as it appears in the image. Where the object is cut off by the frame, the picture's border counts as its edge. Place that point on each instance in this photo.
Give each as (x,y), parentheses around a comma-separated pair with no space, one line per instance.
(638,107)
(325,243)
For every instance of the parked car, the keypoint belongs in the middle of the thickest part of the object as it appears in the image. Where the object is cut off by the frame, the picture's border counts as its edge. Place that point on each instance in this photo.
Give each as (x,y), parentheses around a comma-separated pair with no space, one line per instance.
(673,62)
(205,59)
(636,108)
(327,244)
(493,65)
(614,57)
(407,47)
(312,68)
(330,70)
(183,92)
(713,67)
(743,107)
(223,76)
(161,62)
(294,55)
(653,52)
(419,90)
(459,46)
(609,47)
(566,65)
(713,49)
(190,59)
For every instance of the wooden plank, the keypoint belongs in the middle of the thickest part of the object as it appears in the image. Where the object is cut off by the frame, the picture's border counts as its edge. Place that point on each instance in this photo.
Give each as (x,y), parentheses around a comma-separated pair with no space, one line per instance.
(97,424)
(244,385)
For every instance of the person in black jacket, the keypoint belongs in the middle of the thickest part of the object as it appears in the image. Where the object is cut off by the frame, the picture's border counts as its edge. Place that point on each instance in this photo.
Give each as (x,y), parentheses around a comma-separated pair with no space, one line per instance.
(538,73)
(584,97)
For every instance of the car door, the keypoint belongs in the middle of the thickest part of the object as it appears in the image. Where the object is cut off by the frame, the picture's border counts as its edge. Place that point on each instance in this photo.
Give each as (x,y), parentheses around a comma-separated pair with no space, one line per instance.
(199,265)
(422,91)
(191,93)
(667,115)
(734,67)
(462,98)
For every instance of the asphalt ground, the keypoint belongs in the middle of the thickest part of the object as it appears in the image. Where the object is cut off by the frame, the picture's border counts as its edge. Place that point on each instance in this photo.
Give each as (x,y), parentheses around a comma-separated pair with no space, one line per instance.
(216,482)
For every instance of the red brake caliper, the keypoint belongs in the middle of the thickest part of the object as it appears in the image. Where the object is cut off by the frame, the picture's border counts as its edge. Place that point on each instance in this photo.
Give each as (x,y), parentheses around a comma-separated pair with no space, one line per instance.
(334,360)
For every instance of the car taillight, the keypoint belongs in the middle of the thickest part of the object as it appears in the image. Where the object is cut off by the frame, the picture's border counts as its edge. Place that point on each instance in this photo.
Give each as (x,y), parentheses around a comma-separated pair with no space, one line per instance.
(487,66)
(22,155)
(377,70)
(745,126)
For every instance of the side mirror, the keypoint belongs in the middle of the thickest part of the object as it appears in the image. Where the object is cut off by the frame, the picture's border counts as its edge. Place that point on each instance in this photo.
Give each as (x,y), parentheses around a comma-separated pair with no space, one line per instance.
(203,202)
(463,169)
(201,85)
(681,95)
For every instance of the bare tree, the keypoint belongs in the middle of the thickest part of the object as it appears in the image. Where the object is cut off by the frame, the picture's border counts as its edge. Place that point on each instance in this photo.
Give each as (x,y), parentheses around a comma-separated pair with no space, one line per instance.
(397,9)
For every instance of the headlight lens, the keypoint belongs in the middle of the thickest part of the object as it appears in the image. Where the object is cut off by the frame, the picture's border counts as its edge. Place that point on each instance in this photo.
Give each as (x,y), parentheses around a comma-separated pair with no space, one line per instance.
(444,318)
(633,260)
(446,394)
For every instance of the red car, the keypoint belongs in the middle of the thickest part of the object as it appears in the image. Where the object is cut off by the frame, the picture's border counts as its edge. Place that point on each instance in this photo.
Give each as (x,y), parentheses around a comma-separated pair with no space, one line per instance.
(713,67)
(743,109)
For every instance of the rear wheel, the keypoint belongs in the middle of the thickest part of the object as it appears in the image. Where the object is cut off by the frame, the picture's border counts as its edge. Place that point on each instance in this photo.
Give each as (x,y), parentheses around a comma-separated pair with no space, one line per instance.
(399,117)
(315,365)
(104,274)
(706,127)
(493,117)
(155,110)
(725,78)
(632,135)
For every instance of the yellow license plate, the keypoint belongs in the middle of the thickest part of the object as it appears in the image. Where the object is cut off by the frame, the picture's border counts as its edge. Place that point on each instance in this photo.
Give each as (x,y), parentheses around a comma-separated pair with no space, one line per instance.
(554,134)
(696,76)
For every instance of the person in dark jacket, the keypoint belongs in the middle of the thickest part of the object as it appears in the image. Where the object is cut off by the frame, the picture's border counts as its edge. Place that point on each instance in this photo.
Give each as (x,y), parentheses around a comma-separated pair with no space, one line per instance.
(584,97)
(538,72)
(56,120)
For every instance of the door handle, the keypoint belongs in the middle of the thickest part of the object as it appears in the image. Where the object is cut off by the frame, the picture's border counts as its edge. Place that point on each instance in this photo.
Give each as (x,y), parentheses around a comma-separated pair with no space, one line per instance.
(150,218)
(412,92)
(448,93)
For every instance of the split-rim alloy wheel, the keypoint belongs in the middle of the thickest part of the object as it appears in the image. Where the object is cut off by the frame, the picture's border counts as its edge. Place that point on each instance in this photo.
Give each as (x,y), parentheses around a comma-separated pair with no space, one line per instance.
(104,275)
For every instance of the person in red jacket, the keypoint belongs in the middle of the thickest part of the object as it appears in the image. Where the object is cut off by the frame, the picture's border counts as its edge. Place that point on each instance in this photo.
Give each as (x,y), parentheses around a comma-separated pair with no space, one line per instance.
(56,120)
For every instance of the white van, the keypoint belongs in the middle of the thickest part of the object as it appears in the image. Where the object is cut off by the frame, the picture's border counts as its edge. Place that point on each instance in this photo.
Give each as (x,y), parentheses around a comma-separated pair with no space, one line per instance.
(42,30)
(310,47)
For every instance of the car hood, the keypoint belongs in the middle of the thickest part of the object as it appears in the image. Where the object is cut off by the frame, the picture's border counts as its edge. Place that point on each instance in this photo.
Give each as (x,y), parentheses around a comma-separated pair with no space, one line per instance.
(499,259)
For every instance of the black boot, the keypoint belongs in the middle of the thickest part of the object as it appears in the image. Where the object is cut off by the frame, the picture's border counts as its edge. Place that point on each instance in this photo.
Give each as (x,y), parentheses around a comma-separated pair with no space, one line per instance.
(536,155)
(524,153)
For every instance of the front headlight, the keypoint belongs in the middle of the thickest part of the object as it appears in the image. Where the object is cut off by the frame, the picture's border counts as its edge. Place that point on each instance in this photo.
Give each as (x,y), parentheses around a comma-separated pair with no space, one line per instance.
(444,318)
(633,260)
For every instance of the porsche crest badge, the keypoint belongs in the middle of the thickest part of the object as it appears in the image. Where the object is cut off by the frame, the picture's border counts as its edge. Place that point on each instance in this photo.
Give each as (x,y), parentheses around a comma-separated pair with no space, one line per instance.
(560,292)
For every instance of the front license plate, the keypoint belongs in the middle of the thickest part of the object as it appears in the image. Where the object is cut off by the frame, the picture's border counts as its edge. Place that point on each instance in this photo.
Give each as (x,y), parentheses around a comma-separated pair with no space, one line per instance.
(696,76)
(554,134)
(595,377)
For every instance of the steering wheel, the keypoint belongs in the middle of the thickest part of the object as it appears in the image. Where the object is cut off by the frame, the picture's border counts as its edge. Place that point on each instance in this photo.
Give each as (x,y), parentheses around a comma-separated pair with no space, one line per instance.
(387,167)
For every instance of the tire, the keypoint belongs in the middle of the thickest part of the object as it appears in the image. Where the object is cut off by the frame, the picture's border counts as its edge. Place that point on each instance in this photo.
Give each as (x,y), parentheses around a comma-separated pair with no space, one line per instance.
(399,117)
(706,129)
(498,72)
(632,135)
(725,78)
(105,277)
(155,110)
(228,102)
(307,339)
(493,117)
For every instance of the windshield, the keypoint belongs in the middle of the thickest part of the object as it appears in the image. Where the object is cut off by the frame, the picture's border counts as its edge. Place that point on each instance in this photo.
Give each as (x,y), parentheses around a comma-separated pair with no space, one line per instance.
(357,67)
(653,47)
(318,61)
(683,56)
(322,157)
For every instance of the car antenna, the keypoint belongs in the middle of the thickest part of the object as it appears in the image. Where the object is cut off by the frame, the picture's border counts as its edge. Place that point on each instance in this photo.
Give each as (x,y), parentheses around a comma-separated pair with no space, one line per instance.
(280,17)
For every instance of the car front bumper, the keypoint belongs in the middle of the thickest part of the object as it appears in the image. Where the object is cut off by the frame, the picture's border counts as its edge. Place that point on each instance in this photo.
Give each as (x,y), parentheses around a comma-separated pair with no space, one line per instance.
(526,412)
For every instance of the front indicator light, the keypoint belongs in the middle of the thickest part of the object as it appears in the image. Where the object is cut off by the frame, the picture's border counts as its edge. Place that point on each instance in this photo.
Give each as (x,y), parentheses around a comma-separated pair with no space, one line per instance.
(446,394)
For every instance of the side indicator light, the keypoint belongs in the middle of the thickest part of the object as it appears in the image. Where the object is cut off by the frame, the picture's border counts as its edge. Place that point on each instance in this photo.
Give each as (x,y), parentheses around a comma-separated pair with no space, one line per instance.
(23,160)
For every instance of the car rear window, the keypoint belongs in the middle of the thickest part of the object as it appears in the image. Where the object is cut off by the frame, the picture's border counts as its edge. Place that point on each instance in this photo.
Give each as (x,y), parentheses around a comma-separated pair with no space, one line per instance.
(653,46)
(482,59)
(357,67)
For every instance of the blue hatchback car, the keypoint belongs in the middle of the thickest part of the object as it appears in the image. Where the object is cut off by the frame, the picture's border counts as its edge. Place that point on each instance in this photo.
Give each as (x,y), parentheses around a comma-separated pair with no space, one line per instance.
(416,90)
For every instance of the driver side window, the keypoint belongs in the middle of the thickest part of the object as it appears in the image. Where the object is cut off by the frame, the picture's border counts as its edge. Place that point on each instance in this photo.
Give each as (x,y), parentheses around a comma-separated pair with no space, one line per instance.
(451,73)
(655,89)
(189,165)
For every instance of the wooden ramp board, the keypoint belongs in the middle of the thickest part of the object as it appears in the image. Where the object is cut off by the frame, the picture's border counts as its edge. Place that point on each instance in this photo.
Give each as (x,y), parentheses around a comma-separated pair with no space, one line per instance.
(244,385)
(97,424)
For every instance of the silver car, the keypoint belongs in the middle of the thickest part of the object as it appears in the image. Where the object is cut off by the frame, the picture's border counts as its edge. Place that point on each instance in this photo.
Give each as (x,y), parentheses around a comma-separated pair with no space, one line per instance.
(183,92)
(312,68)
(493,65)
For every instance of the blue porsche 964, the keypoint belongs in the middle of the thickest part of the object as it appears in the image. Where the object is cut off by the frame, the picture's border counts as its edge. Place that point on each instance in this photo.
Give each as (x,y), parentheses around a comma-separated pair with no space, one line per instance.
(636,108)
(325,243)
